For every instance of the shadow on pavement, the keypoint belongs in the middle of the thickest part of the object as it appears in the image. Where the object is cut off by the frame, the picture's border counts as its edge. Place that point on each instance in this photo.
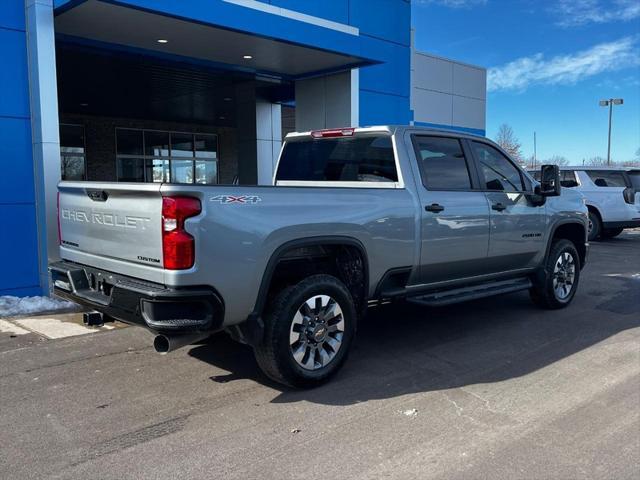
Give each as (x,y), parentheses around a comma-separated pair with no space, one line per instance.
(403,348)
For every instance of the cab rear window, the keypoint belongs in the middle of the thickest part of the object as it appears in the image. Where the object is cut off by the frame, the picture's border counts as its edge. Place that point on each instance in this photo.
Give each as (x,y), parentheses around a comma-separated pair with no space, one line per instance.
(365,158)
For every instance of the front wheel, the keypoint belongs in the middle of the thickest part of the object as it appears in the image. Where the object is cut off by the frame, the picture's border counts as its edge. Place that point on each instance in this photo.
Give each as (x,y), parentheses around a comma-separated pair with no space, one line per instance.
(556,285)
(309,329)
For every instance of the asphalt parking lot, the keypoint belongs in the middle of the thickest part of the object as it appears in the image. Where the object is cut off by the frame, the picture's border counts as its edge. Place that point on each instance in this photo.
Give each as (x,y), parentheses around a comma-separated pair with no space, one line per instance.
(489,389)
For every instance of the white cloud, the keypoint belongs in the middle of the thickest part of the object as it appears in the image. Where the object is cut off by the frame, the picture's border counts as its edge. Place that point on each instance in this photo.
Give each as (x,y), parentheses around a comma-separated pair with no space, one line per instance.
(565,69)
(573,13)
(455,3)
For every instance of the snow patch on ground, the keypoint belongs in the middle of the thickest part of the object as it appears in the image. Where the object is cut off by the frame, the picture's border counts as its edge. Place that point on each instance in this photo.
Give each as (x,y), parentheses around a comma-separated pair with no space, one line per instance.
(11,329)
(15,306)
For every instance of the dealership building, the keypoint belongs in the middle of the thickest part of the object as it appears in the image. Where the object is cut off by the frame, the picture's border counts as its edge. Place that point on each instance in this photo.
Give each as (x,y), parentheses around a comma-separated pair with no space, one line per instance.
(195,91)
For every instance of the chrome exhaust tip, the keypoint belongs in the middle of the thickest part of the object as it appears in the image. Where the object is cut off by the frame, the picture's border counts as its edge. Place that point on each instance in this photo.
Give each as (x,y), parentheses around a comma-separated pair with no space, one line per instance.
(164,344)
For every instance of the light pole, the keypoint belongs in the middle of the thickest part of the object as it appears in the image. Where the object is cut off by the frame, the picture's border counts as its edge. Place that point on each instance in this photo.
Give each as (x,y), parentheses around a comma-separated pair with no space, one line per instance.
(610,103)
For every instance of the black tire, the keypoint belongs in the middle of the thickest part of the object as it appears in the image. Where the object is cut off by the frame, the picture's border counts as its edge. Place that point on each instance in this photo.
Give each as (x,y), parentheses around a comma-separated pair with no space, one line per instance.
(275,353)
(543,293)
(595,226)
(611,232)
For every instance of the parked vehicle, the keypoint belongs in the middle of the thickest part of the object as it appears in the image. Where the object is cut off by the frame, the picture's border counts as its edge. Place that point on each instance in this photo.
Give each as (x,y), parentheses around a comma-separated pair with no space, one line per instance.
(612,196)
(356,216)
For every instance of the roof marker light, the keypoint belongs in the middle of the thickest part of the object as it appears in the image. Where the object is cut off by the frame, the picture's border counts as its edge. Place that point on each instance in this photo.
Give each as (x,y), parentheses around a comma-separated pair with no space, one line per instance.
(333,133)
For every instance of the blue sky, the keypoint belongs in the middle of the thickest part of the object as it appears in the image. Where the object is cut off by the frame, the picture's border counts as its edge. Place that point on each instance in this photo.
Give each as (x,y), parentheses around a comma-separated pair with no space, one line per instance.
(549,62)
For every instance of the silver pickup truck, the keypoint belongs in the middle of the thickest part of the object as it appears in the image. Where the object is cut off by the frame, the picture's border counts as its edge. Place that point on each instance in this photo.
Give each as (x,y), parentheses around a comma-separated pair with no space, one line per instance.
(355,217)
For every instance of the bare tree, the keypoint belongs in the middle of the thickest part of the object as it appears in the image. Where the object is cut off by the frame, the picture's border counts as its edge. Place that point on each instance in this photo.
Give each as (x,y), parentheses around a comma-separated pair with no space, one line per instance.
(509,143)
(531,163)
(631,163)
(596,161)
(558,160)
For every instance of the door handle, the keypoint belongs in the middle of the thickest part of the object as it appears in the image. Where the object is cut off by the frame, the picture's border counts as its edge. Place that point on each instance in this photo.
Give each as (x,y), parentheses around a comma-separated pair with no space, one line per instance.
(434,207)
(499,206)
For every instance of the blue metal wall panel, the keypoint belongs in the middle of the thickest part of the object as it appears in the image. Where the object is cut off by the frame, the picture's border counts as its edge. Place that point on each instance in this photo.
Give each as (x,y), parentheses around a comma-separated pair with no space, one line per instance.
(385,27)
(385,19)
(334,10)
(381,109)
(22,292)
(12,14)
(18,236)
(14,83)
(16,181)
(18,248)
(392,76)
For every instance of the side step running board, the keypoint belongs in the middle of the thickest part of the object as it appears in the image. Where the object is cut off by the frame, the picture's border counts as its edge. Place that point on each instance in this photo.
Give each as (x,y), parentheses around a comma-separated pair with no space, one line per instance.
(457,295)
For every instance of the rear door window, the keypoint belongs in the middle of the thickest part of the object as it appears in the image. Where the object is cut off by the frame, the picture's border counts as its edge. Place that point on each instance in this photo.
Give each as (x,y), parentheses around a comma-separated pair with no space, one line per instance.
(607,178)
(363,158)
(442,163)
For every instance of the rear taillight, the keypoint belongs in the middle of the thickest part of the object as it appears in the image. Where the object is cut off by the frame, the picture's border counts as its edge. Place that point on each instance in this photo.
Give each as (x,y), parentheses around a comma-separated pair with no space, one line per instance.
(178,247)
(629,195)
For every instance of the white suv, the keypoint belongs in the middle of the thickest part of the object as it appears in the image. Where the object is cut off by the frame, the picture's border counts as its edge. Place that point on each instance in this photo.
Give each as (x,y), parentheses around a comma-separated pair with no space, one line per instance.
(612,196)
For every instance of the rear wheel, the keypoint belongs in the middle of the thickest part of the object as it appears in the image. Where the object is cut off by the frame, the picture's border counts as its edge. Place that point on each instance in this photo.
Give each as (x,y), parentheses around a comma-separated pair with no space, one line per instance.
(309,329)
(611,232)
(556,285)
(595,226)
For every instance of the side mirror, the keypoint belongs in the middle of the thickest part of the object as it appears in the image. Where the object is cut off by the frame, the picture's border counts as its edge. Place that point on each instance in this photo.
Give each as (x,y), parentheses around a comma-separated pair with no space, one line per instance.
(549,181)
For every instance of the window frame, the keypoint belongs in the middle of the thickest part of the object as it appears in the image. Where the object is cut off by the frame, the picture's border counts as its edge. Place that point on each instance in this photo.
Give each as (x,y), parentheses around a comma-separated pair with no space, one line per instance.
(469,162)
(527,184)
(169,158)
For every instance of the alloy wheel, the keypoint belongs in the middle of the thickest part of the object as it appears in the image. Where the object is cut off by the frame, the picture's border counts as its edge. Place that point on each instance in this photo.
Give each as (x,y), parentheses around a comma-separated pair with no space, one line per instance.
(564,275)
(316,332)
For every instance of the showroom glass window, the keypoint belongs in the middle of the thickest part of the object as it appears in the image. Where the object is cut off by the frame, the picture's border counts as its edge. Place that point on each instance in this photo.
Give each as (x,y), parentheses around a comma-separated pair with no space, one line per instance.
(169,157)
(72,152)
(498,171)
(443,163)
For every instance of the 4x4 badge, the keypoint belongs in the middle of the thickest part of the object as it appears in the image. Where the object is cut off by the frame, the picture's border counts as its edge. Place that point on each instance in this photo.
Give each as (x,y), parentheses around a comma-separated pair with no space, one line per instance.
(241,199)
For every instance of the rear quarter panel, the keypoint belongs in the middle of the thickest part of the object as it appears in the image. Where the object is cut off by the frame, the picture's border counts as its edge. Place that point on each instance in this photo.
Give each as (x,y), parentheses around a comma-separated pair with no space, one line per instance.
(236,239)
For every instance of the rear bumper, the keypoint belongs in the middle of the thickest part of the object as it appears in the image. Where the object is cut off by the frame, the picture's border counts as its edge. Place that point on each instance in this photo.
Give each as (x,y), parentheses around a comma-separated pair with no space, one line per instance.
(635,223)
(159,308)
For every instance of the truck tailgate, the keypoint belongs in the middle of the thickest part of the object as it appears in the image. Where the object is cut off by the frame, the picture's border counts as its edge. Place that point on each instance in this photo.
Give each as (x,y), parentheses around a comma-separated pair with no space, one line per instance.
(112,224)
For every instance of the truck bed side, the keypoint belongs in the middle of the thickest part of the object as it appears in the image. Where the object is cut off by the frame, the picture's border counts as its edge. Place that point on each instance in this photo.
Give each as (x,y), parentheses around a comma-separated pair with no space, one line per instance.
(240,228)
